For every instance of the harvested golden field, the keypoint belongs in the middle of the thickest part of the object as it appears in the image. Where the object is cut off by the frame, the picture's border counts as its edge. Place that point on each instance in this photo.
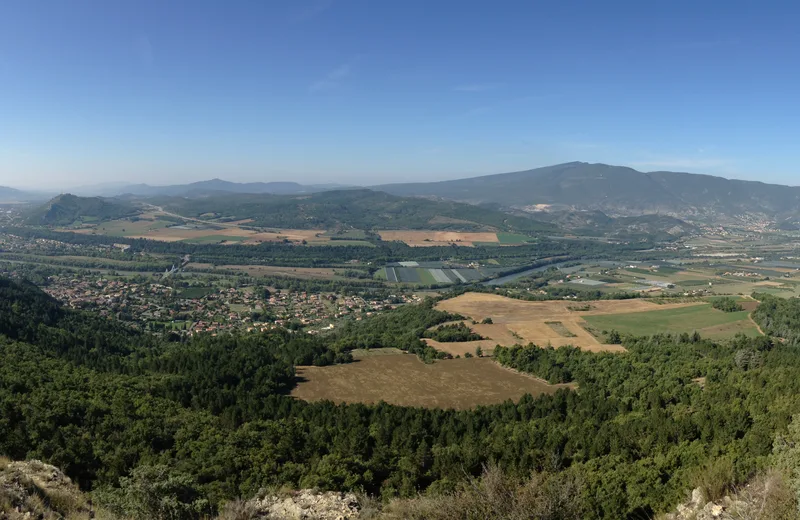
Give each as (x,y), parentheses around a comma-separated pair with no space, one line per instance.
(437,238)
(402,379)
(243,236)
(308,273)
(521,322)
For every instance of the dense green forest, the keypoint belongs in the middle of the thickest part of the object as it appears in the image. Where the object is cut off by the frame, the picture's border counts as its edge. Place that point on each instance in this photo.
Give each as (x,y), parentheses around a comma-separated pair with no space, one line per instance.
(778,316)
(99,400)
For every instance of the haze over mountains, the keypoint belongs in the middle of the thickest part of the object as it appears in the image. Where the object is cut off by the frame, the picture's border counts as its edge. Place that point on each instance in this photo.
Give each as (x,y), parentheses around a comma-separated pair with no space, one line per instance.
(613,190)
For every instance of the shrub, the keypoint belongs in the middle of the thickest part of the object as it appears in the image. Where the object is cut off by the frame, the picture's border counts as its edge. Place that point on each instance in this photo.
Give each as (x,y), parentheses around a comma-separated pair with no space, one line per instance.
(155,492)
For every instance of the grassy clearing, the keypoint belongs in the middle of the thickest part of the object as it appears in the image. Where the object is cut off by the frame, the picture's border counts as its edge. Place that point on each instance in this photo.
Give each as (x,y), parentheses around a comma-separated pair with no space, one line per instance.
(404,380)
(683,319)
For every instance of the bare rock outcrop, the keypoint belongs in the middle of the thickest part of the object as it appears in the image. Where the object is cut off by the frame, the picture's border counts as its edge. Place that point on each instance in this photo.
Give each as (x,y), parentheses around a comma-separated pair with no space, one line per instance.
(304,505)
(33,489)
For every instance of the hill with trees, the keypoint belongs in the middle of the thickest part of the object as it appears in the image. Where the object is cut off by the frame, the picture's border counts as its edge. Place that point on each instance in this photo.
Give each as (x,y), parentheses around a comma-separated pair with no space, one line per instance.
(66,209)
(203,420)
(357,208)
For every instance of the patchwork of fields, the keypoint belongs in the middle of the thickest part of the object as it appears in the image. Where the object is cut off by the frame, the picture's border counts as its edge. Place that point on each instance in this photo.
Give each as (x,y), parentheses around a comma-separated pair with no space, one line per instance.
(402,379)
(413,272)
(560,323)
(423,238)
(168,230)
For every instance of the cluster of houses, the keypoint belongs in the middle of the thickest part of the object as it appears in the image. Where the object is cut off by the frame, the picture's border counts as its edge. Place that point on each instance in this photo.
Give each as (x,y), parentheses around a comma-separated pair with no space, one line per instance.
(160,307)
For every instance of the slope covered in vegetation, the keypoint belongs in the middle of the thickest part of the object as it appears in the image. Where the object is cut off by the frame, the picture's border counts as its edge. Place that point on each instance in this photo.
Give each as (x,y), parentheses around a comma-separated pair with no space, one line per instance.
(210,414)
(66,209)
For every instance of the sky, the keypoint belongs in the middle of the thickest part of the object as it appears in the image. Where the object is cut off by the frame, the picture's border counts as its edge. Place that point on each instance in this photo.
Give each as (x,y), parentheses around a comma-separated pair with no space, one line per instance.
(375,91)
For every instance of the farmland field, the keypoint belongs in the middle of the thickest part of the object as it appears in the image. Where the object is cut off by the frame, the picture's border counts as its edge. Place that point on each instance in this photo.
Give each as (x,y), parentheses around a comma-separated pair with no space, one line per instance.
(402,379)
(311,273)
(522,322)
(211,232)
(437,238)
(706,320)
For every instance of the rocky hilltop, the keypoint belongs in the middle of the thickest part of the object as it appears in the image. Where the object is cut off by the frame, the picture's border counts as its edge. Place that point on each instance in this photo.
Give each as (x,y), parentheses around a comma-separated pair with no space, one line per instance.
(33,489)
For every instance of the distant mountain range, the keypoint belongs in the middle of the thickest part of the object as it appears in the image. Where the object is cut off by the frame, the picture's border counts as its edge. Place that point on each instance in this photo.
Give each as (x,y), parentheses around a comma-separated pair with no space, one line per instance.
(201,188)
(14,195)
(616,191)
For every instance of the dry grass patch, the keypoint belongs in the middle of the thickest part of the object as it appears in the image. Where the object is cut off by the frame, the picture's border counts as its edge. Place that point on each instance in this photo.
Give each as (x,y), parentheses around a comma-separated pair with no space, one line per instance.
(404,380)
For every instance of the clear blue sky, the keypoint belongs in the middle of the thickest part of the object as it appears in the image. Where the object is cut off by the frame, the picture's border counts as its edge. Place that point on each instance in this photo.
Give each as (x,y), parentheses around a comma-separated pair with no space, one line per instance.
(378,91)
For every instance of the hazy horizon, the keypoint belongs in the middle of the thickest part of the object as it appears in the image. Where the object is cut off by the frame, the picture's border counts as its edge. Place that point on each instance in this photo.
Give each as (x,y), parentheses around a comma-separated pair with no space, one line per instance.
(111,185)
(364,93)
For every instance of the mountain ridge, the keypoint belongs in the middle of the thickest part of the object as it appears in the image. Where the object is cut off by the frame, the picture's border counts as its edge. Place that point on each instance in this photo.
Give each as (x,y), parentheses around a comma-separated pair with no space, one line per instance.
(615,190)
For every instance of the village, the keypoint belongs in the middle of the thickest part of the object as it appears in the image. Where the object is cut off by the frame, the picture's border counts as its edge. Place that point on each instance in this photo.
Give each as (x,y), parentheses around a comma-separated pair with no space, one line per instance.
(163,308)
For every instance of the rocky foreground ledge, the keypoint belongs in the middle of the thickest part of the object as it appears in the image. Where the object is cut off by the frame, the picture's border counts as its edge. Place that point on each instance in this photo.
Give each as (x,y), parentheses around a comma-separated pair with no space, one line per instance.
(305,505)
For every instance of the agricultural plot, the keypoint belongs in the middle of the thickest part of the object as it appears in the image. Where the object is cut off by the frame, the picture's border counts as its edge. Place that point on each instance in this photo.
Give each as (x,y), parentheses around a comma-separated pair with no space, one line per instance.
(168,230)
(402,379)
(438,238)
(429,273)
(522,322)
(706,320)
(124,227)
(307,273)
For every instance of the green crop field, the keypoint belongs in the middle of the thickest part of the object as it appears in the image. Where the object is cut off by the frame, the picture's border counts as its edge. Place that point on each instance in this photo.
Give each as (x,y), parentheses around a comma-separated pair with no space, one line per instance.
(513,238)
(124,228)
(425,277)
(709,322)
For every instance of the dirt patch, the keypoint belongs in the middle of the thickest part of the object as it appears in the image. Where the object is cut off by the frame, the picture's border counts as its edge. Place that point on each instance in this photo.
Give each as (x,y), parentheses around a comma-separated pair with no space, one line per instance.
(404,380)
(749,305)
(437,238)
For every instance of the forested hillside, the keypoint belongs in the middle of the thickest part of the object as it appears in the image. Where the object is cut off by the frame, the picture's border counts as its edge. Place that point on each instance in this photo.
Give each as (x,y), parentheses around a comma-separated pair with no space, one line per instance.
(100,400)
(357,208)
(66,209)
